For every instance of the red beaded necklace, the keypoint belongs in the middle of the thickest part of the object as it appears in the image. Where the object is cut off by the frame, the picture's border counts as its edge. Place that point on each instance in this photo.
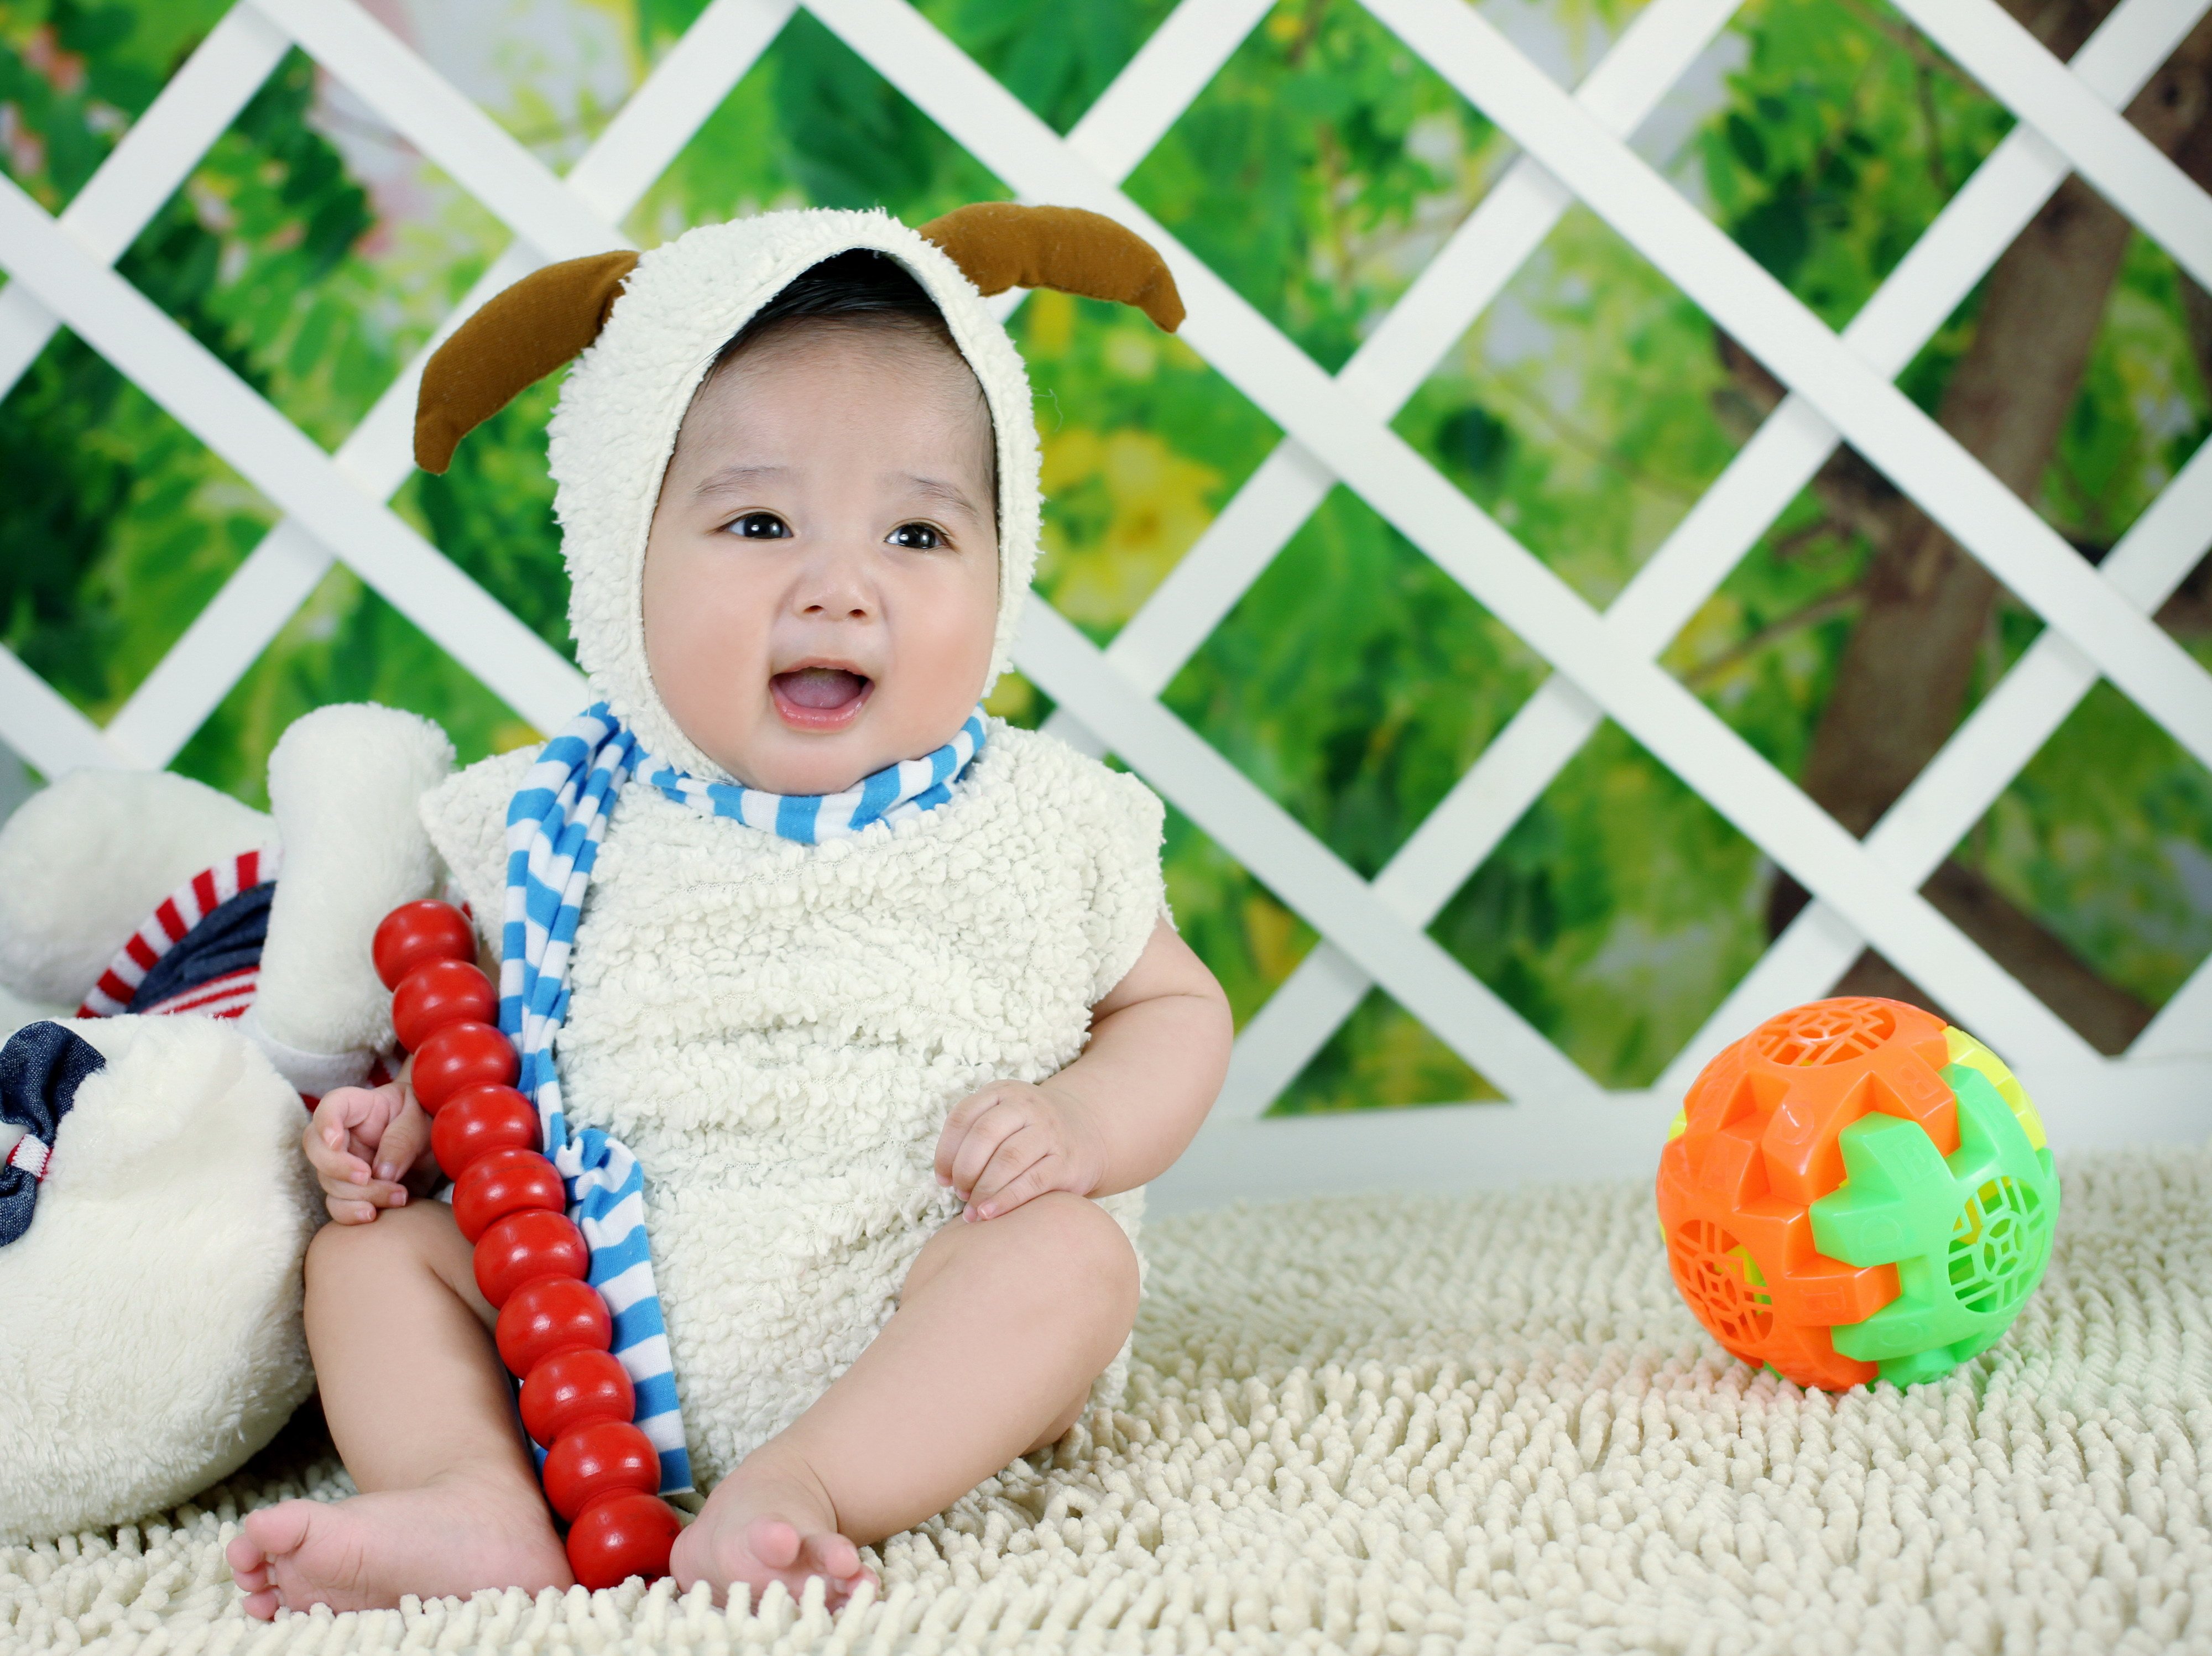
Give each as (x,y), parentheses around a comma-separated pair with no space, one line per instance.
(602,1475)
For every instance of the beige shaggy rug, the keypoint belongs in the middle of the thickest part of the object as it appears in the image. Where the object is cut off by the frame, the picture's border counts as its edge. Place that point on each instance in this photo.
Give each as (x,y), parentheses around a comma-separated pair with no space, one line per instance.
(1427,1425)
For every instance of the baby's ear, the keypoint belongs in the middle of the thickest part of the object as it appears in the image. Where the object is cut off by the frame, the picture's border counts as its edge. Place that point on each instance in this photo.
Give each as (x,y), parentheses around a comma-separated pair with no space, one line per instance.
(520,336)
(999,244)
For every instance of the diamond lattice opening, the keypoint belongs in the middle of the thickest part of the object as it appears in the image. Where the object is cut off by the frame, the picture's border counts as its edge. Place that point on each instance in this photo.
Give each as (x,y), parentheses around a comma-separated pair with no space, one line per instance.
(1144,444)
(1319,171)
(1057,59)
(2091,872)
(2139,407)
(1250,937)
(81,76)
(1382,1056)
(1355,682)
(119,525)
(315,249)
(1616,914)
(1587,409)
(811,124)
(346,644)
(1838,141)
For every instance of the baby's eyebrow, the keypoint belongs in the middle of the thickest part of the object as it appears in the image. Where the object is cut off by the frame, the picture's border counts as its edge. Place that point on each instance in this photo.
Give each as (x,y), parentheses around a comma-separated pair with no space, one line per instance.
(735,479)
(938,488)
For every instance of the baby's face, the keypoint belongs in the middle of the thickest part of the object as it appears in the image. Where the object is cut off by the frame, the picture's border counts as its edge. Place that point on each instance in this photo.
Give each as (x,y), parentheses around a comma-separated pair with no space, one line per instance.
(822,575)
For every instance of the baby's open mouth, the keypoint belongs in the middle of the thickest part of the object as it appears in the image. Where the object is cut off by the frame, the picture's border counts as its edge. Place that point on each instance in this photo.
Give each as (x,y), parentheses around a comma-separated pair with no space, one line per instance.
(825,688)
(819,698)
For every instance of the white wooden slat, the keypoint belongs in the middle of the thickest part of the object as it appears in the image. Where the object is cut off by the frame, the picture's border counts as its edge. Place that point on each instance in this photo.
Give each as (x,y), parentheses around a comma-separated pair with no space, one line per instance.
(2002,734)
(1307,877)
(148,164)
(673,102)
(1926,462)
(1473,267)
(1652,705)
(1174,65)
(423,107)
(1957,250)
(1475,815)
(224,639)
(2125,167)
(2183,1028)
(276,457)
(685,87)
(44,727)
(1458,1147)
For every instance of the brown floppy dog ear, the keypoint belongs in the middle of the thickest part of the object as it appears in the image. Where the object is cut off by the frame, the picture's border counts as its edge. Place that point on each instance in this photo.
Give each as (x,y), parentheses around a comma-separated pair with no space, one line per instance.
(999,244)
(521,335)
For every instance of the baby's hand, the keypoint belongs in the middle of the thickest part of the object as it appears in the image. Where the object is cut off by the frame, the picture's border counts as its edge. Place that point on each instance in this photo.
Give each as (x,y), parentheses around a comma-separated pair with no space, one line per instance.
(354,1124)
(1012,1141)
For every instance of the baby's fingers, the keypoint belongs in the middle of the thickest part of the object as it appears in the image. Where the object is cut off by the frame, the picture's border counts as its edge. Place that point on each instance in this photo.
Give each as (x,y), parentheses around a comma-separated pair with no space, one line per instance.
(1033,1180)
(959,1127)
(403,1142)
(1017,1159)
(332,1152)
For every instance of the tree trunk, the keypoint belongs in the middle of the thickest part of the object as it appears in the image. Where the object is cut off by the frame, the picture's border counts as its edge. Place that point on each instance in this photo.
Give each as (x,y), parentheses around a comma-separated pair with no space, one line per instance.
(1903,681)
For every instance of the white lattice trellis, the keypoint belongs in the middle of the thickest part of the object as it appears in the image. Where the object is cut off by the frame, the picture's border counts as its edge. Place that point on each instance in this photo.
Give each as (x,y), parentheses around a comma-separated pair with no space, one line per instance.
(1337,431)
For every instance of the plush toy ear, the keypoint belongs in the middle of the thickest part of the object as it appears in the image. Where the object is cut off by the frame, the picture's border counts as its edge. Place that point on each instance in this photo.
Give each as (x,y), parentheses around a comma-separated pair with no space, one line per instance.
(520,336)
(999,244)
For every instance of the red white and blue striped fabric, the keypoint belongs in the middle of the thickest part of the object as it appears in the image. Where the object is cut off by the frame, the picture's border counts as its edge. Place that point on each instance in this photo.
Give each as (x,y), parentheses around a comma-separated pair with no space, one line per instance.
(221,994)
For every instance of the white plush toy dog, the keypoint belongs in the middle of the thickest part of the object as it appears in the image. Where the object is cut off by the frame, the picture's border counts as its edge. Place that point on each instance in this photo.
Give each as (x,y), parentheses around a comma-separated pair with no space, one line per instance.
(155,1204)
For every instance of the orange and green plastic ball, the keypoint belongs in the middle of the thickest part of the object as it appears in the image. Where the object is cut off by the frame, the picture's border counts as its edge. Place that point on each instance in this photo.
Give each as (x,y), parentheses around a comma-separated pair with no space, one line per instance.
(1858,1190)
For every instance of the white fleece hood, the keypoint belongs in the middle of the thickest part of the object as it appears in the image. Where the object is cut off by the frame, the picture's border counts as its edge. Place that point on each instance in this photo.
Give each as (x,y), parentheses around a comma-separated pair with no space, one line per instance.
(615,427)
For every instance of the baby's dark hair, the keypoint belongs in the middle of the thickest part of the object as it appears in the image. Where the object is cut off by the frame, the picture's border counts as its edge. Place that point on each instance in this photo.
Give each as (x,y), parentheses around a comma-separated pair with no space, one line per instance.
(862,290)
(858,288)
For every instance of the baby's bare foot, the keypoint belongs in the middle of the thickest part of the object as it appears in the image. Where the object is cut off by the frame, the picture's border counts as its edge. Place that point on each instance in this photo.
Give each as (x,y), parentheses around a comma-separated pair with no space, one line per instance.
(770,1520)
(363,1554)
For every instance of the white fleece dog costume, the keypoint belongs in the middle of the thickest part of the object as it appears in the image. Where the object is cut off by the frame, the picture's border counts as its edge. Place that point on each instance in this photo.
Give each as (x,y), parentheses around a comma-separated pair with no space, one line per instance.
(778,1030)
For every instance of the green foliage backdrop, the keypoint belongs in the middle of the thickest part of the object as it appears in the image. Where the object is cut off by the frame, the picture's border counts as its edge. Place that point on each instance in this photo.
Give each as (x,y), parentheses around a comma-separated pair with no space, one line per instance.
(314,253)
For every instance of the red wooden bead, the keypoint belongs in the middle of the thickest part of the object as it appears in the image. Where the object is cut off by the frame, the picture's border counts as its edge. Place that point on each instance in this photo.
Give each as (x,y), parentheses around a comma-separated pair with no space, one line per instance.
(524,1247)
(574,1389)
(506,1181)
(462,1055)
(415,932)
(439,992)
(547,1316)
(477,1121)
(623,1535)
(600,1459)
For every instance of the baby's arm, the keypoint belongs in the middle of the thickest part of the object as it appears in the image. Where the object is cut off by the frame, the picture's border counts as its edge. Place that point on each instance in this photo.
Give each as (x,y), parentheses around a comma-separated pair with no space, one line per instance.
(353,1124)
(1116,1116)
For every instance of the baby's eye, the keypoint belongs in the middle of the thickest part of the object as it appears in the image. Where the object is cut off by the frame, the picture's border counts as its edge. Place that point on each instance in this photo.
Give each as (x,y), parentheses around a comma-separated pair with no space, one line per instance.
(919,538)
(760,527)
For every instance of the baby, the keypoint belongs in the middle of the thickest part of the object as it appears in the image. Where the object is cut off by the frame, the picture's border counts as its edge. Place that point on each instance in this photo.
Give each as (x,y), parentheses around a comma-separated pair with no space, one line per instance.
(893,1092)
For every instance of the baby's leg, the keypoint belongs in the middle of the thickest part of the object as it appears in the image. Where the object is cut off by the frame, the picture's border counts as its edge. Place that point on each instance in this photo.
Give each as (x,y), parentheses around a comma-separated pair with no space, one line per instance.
(418,1405)
(1001,1326)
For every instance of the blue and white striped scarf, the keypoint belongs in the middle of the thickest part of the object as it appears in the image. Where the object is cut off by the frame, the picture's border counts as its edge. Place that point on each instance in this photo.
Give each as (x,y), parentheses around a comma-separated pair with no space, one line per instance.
(554,830)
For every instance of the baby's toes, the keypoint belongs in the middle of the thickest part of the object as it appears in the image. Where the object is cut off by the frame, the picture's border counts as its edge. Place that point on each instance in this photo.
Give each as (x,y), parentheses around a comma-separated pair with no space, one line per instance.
(774,1542)
(249,1565)
(836,1557)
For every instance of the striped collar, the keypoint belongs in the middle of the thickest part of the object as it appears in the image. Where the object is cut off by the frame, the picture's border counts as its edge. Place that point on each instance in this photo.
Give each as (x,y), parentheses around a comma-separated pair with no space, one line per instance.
(897,791)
